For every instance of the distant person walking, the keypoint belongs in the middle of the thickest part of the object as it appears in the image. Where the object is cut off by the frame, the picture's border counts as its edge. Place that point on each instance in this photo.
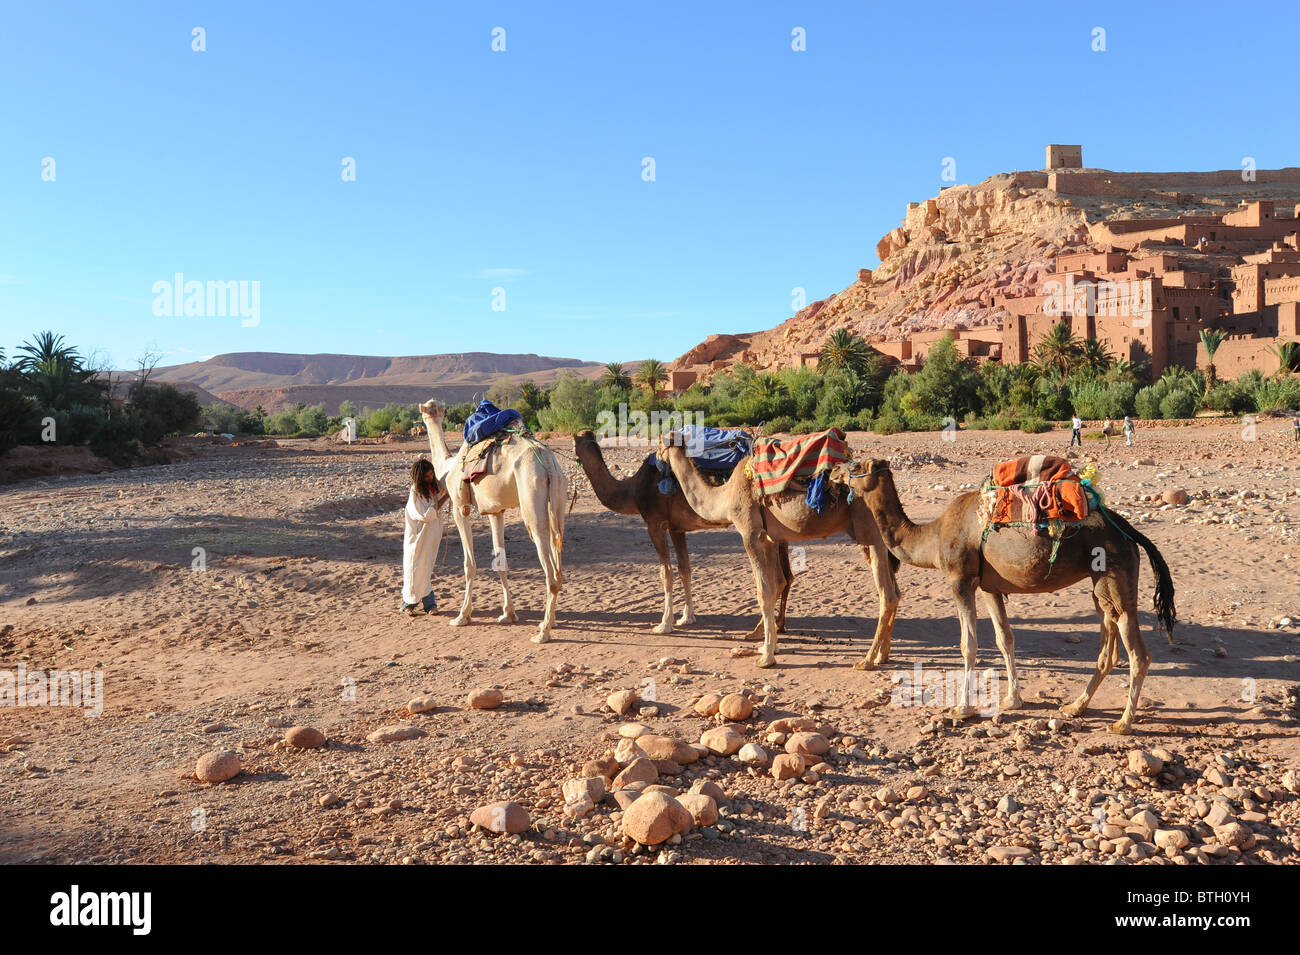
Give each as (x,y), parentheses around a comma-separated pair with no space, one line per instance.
(422,537)
(1076,432)
(1107,430)
(1128,430)
(1295,427)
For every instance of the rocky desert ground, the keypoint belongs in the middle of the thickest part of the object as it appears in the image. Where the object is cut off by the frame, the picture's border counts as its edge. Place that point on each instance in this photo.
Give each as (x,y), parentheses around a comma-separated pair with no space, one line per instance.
(249,591)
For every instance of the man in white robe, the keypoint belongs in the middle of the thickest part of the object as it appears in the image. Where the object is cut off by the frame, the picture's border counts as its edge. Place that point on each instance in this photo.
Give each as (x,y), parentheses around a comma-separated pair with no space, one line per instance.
(420,543)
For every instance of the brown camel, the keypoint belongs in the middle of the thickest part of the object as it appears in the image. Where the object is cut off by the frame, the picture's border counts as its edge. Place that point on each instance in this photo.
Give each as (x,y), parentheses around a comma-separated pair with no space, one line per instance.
(767,522)
(1017,560)
(665,516)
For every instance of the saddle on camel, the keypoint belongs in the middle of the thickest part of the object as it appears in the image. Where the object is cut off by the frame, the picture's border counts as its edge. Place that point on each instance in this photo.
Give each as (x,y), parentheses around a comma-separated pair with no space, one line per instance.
(1041,491)
(484,431)
(804,462)
(715,452)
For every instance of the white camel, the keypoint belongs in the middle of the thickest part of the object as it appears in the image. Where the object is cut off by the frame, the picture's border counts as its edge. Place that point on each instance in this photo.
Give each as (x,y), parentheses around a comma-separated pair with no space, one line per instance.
(526,475)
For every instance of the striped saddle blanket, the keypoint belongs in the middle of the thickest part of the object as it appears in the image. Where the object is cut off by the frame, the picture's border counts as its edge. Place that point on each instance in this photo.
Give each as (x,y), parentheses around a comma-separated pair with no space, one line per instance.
(776,463)
(1034,489)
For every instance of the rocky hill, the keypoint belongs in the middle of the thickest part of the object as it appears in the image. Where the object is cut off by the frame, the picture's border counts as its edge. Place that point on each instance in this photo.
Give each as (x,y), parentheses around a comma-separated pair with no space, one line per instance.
(952,254)
(274,381)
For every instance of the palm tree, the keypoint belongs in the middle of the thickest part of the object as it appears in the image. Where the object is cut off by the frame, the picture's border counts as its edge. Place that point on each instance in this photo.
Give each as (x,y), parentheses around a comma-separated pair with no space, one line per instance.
(651,374)
(1288,357)
(1211,340)
(615,377)
(1059,351)
(844,350)
(1096,357)
(45,351)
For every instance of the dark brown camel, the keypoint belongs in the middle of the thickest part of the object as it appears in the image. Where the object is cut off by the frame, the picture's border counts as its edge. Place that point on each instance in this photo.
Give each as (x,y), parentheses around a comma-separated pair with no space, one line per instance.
(665,516)
(1016,560)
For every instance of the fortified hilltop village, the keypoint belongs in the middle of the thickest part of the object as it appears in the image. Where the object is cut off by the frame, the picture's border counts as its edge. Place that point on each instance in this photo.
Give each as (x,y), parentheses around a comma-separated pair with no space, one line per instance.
(1144,262)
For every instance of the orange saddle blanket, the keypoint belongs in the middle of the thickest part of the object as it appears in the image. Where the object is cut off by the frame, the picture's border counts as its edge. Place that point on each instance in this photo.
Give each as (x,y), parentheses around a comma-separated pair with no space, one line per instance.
(1033,489)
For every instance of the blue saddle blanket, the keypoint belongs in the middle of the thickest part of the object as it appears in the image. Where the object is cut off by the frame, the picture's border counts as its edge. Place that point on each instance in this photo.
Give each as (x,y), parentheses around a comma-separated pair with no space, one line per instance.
(712,449)
(487,419)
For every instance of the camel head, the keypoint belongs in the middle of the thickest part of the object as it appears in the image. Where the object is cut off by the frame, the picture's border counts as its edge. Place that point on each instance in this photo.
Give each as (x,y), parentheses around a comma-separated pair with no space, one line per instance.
(583,437)
(433,410)
(869,477)
(670,443)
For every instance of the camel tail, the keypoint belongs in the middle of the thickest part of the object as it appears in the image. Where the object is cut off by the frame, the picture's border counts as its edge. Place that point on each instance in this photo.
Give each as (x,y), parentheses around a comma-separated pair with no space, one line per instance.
(1164,602)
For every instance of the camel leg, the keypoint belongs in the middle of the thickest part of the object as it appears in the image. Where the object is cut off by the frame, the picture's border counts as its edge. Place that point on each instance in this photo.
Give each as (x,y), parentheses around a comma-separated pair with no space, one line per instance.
(498,522)
(964,591)
(1109,654)
(533,511)
(997,606)
(1138,662)
(659,537)
(466,531)
(784,551)
(787,574)
(684,571)
(765,561)
(883,567)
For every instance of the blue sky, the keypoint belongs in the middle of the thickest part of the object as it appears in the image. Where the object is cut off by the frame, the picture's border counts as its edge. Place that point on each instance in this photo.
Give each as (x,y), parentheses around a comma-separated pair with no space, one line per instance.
(522,169)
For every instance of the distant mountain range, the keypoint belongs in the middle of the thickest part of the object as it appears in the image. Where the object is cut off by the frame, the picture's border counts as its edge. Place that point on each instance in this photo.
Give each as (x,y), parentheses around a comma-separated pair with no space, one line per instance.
(275,381)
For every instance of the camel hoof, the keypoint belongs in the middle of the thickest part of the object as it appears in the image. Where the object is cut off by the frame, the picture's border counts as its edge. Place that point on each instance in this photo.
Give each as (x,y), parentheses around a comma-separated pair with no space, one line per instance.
(1073,709)
(508,618)
(662,628)
(866,663)
(686,621)
(962,712)
(541,638)
(459,621)
(1120,728)
(766,663)
(1010,702)
(755,634)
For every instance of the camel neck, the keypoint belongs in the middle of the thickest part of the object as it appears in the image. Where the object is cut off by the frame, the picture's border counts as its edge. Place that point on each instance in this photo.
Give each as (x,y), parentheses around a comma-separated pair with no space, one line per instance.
(915,544)
(613,493)
(705,500)
(438,452)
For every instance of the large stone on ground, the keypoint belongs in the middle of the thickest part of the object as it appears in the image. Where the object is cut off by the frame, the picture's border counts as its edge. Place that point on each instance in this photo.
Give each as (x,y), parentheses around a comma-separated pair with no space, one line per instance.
(395,733)
(707,705)
(787,766)
(487,698)
(640,770)
(736,706)
(703,810)
(606,766)
(501,817)
(654,818)
(304,737)
(589,787)
(1144,763)
(708,787)
(807,744)
(217,766)
(723,740)
(620,701)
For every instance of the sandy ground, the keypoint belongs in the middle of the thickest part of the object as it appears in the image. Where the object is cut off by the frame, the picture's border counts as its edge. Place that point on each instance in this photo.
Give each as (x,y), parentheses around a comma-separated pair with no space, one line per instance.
(294,620)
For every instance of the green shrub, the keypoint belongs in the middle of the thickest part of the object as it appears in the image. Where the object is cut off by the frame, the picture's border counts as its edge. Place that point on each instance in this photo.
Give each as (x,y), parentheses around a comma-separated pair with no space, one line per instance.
(1035,426)
(1281,394)
(889,422)
(782,424)
(160,410)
